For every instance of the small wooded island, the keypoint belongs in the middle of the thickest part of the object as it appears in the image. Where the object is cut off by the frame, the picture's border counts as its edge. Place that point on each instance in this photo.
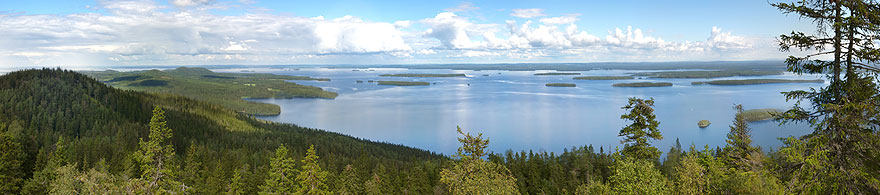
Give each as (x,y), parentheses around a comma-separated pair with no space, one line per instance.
(643,84)
(753,115)
(556,73)
(560,85)
(603,78)
(422,75)
(703,123)
(402,83)
(755,81)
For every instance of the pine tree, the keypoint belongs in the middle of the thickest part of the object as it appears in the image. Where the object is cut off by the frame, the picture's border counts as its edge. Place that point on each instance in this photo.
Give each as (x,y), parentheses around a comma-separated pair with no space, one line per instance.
(281,174)
(156,157)
(844,114)
(643,127)
(472,174)
(11,158)
(636,176)
(311,178)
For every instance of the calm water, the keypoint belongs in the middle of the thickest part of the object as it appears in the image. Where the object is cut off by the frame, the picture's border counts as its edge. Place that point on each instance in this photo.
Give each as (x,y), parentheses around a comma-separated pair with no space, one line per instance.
(516,111)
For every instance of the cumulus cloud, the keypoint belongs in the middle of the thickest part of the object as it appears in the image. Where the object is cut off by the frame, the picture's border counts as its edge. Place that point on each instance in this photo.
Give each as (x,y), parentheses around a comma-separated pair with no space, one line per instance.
(188,3)
(559,20)
(463,7)
(527,13)
(451,30)
(142,31)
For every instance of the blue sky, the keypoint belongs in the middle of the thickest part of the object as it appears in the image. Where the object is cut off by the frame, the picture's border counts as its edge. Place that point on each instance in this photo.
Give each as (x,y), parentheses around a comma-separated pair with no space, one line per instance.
(193,32)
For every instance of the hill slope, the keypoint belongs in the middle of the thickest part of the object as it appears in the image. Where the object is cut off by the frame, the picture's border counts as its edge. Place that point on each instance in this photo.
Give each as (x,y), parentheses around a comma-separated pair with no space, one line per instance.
(103,126)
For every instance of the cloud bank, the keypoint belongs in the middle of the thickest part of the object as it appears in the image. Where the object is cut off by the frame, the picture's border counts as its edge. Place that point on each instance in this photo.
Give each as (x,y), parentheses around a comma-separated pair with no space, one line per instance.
(187,32)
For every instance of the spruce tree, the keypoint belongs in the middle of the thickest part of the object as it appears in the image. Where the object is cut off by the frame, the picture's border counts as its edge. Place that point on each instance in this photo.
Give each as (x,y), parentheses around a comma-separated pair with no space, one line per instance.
(11,158)
(473,175)
(156,158)
(643,127)
(311,178)
(281,174)
(844,114)
(349,183)
(739,152)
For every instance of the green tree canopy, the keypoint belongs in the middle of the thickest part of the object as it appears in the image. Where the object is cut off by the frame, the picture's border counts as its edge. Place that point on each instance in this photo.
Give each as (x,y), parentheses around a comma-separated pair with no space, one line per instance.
(472,174)
(156,157)
(643,127)
(311,178)
(281,178)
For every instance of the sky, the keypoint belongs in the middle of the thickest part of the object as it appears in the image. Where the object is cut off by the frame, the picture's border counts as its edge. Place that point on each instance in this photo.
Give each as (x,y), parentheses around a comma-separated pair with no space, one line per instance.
(263,32)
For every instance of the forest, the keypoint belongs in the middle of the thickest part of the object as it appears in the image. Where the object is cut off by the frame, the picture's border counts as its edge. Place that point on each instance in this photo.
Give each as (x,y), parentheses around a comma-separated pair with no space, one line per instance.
(63,132)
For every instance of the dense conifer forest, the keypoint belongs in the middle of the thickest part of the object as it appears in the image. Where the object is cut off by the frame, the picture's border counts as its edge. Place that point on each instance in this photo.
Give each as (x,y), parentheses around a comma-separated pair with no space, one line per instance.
(62,132)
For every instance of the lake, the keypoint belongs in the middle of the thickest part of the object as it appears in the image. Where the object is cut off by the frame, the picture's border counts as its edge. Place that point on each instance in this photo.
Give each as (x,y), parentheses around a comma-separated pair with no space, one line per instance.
(517,112)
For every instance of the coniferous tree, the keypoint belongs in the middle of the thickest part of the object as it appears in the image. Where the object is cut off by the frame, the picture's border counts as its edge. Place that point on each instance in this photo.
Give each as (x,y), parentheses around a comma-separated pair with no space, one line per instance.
(281,178)
(643,127)
(11,159)
(237,184)
(311,178)
(349,183)
(636,176)
(472,174)
(739,152)
(844,114)
(156,157)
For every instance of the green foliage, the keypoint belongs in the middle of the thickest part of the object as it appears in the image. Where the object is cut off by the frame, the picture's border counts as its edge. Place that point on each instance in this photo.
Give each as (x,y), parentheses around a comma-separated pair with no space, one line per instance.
(349,183)
(311,178)
(225,89)
(556,73)
(282,175)
(752,115)
(643,127)
(11,159)
(755,81)
(642,84)
(560,85)
(472,174)
(594,188)
(156,157)
(402,83)
(844,114)
(237,184)
(636,176)
(739,151)
(708,73)
(422,75)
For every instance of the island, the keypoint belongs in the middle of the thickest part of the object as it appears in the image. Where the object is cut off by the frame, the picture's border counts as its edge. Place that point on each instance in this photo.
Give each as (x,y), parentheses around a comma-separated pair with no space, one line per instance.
(402,83)
(642,84)
(603,78)
(225,89)
(556,73)
(753,115)
(423,75)
(703,123)
(560,85)
(755,81)
(708,73)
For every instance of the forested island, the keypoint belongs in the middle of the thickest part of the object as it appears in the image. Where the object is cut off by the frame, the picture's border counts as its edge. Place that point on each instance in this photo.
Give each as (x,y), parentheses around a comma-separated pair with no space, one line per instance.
(560,85)
(403,83)
(708,73)
(556,73)
(603,78)
(423,75)
(225,89)
(642,84)
(755,81)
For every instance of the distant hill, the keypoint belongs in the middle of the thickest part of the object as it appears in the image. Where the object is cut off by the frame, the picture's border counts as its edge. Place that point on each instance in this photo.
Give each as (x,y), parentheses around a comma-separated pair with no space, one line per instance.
(104,124)
(225,89)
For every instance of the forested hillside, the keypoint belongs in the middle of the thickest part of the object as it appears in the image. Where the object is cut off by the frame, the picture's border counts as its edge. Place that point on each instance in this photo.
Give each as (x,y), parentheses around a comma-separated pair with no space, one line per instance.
(56,118)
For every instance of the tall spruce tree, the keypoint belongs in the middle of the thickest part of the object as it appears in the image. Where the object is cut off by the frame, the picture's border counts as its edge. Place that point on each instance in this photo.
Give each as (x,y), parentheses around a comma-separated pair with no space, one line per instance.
(156,158)
(473,175)
(11,159)
(282,169)
(311,178)
(844,114)
(643,127)
(739,151)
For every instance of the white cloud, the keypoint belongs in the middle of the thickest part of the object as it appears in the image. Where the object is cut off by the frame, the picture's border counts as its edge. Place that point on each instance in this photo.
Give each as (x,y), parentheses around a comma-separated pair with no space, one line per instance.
(451,30)
(559,20)
(143,32)
(463,7)
(188,3)
(527,13)
(721,40)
